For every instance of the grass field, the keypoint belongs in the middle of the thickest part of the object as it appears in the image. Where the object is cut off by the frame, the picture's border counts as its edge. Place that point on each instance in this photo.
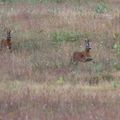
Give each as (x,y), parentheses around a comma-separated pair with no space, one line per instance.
(37,81)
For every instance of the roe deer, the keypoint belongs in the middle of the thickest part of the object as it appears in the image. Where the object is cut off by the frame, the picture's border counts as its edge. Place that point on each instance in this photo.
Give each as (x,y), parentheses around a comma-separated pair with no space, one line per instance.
(6,43)
(83,56)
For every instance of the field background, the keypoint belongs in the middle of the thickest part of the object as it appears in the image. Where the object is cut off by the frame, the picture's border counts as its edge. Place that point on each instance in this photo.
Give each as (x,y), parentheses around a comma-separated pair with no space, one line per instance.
(37,81)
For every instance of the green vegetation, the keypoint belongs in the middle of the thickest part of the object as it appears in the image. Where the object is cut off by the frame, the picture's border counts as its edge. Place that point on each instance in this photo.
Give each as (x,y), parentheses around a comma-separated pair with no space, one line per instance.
(117,47)
(101,7)
(60,81)
(64,36)
(115,84)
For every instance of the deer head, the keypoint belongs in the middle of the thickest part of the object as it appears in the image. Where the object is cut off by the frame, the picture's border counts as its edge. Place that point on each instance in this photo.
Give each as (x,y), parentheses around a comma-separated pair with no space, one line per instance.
(6,43)
(87,45)
(8,34)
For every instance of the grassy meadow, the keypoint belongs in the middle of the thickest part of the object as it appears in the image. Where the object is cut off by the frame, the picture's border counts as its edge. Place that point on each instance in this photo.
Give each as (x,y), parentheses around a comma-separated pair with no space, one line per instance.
(37,81)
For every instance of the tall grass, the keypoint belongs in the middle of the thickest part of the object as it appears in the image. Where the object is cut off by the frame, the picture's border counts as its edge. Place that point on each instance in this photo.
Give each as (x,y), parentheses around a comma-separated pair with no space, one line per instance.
(37,80)
(39,32)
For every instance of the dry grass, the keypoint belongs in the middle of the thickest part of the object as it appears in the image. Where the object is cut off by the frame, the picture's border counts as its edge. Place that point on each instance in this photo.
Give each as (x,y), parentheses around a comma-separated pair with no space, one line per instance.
(36,79)
(57,102)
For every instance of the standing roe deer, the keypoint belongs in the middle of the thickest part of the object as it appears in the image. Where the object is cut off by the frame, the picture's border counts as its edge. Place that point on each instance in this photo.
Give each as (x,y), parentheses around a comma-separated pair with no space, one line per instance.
(6,43)
(83,56)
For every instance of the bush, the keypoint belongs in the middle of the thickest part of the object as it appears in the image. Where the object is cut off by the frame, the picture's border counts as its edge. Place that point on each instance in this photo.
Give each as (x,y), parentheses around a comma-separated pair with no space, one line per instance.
(117,48)
(64,36)
(101,7)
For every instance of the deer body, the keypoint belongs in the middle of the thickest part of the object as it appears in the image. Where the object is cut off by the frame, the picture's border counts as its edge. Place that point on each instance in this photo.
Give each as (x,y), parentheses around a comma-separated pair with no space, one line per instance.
(6,43)
(83,56)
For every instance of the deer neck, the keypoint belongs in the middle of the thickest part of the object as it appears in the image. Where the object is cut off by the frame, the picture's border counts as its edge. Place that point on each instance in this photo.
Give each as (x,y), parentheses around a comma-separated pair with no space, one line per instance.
(87,51)
(8,37)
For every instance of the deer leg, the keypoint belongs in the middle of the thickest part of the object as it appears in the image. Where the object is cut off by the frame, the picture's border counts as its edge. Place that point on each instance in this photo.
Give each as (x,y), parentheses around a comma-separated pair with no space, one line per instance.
(72,61)
(75,62)
(88,59)
(10,49)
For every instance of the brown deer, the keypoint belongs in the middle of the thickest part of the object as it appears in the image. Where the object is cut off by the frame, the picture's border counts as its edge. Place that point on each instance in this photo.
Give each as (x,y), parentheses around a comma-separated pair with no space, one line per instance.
(83,56)
(6,43)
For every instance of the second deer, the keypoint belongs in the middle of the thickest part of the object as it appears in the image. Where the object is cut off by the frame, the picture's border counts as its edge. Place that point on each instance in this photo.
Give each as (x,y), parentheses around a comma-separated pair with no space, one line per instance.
(83,56)
(6,43)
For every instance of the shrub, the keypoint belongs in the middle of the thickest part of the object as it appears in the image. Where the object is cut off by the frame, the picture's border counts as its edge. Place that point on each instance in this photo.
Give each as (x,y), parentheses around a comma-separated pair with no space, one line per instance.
(117,48)
(101,7)
(64,36)
(60,81)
